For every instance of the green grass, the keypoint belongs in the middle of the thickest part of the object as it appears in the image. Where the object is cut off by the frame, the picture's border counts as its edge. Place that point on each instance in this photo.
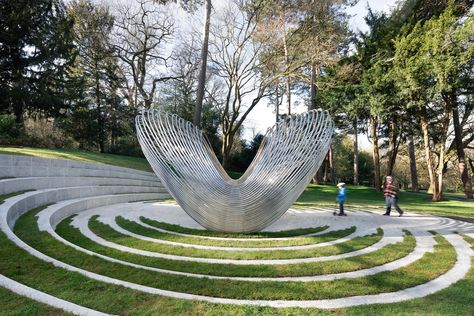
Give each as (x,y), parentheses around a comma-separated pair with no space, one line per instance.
(210,233)
(456,300)
(106,232)
(367,198)
(234,174)
(12,304)
(428,267)
(297,241)
(381,256)
(86,156)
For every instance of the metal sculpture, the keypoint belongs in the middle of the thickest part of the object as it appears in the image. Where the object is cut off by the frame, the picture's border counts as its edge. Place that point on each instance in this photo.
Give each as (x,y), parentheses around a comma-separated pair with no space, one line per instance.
(180,155)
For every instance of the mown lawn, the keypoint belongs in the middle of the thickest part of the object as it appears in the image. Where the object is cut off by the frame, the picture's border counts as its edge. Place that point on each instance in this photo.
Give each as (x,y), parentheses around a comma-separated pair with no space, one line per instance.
(363,197)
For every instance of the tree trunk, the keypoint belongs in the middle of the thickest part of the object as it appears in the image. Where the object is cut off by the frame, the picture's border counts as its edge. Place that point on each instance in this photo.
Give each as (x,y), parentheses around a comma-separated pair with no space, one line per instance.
(100,120)
(18,111)
(375,155)
(314,88)
(429,160)
(226,149)
(392,150)
(277,105)
(356,152)
(288,79)
(471,163)
(413,171)
(202,73)
(442,166)
(318,176)
(18,85)
(463,171)
(326,169)
(331,165)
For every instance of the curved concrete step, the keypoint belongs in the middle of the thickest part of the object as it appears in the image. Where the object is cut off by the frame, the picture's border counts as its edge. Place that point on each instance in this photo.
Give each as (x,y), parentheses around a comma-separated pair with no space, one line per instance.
(16,206)
(36,183)
(22,166)
(110,220)
(137,220)
(424,243)
(81,222)
(25,161)
(45,298)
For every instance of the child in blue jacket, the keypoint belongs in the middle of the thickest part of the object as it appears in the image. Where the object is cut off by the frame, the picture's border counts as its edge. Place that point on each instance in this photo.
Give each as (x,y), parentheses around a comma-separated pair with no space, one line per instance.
(341,198)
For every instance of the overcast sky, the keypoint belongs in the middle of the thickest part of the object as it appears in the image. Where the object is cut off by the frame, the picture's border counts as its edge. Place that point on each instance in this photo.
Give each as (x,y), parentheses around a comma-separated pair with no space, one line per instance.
(262,116)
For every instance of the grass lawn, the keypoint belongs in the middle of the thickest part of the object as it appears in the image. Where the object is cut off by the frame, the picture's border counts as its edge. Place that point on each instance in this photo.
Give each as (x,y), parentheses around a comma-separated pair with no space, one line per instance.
(366,197)
(12,304)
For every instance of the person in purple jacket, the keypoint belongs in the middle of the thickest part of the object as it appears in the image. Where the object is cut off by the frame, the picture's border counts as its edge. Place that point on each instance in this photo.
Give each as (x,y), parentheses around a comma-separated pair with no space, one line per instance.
(341,198)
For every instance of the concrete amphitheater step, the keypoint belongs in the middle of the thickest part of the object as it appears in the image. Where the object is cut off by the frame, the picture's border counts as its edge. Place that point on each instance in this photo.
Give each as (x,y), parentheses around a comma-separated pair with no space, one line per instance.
(45,298)
(137,219)
(18,160)
(81,222)
(21,166)
(36,183)
(173,214)
(17,205)
(14,207)
(110,220)
(424,243)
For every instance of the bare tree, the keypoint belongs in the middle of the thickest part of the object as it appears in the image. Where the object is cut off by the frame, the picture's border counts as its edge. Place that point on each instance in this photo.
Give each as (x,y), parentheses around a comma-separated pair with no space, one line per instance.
(202,72)
(141,33)
(235,56)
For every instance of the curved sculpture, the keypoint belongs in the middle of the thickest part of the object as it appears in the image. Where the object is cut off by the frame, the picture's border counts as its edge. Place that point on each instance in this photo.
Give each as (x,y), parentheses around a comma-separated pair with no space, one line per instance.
(182,158)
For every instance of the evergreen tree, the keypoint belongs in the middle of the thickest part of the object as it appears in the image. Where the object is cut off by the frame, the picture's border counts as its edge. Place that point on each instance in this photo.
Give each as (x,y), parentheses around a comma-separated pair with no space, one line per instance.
(36,50)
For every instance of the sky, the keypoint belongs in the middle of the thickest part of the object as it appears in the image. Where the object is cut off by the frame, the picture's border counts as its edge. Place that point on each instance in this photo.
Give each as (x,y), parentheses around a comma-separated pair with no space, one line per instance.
(262,116)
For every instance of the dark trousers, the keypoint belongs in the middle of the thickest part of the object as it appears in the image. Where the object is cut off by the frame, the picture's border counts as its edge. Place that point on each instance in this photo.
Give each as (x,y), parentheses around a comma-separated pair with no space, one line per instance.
(389,201)
(341,207)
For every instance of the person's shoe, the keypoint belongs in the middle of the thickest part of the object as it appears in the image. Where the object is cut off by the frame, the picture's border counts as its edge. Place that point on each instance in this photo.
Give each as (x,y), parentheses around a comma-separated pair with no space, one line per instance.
(386,214)
(400,214)
(341,214)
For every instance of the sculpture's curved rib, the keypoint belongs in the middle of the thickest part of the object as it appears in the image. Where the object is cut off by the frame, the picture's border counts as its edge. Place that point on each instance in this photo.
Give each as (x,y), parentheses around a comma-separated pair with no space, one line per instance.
(288,157)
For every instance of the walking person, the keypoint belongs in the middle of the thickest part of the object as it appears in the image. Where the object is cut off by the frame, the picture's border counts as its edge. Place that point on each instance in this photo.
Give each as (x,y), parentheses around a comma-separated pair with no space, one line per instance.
(341,198)
(390,191)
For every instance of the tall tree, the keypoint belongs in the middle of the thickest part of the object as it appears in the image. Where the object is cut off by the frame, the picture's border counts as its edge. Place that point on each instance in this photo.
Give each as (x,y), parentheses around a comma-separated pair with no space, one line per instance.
(203,65)
(429,62)
(95,62)
(36,51)
(141,34)
(452,58)
(236,63)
